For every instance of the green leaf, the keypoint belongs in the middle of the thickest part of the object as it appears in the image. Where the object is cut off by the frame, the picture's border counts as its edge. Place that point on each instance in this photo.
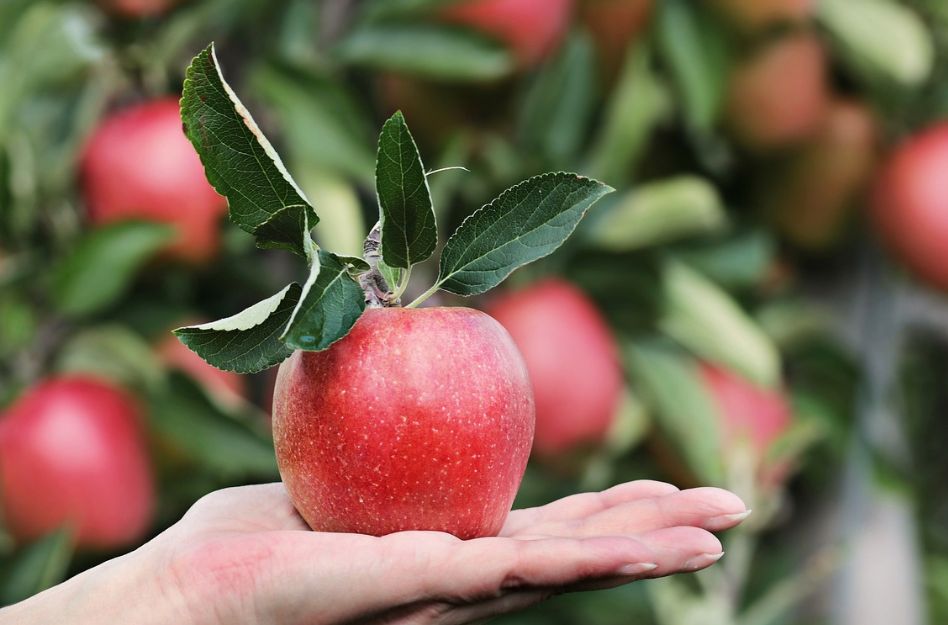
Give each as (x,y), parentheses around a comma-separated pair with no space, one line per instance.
(705,319)
(409,232)
(36,567)
(637,106)
(248,341)
(239,161)
(526,222)
(696,51)
(103,265)
(557,109)
(682,408)
(882,40)
(330,305)
(324,125)
(191,424)
(114,352)
(660,212)
(429,50)
(739,261)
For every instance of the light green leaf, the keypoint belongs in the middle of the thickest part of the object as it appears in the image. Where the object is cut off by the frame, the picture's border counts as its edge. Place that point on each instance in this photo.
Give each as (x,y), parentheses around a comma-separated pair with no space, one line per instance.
(637,106)
(706,320)
(880,39)
(248,341)
(738,261)
(112,351)
(429,50)
(556,111)
(239,161)
(329,306)
(193,425)
(660,212)
(409,232)
(695,49)
(104,263)
(36,567)
(526,222)
(682,408)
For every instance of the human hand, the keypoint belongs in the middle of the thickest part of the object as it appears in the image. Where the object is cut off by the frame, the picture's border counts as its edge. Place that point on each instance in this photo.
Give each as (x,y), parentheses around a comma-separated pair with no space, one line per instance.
(244,556)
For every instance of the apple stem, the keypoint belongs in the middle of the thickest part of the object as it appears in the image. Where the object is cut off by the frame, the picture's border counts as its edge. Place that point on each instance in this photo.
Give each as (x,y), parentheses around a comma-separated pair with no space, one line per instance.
(421,298)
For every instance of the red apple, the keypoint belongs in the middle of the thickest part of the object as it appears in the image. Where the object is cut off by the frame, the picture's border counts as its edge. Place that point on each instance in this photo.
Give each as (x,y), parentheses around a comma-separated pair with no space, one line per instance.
(137,8)
(139,165)
(613,26)
(572,359)
(749,415)
(779,96)
(530,28)
(810,195)
(910,206)
(419,419)
(757,15)
(226,386)
(72,452)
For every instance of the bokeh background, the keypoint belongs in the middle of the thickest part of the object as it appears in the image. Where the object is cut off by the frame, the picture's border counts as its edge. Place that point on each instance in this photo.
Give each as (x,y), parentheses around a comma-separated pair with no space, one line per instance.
(768,272)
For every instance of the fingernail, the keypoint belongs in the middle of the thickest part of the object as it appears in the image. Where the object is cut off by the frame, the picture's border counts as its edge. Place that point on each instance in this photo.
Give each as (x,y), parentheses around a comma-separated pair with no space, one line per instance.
(699,562)
(727,520)
(637,569)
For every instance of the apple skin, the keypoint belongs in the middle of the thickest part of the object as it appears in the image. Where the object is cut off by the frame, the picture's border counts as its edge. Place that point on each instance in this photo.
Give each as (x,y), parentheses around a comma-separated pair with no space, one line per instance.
(419,419)
(72,451)
(910,204)
(779,96)
(139,165)
(572,360)
(757,15)
(226,386)
(530,28)
(613,26)
(136,9)
(810,196)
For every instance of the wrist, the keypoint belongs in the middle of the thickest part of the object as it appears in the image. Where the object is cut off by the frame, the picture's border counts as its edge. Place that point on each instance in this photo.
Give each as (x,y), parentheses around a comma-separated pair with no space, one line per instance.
(128,589)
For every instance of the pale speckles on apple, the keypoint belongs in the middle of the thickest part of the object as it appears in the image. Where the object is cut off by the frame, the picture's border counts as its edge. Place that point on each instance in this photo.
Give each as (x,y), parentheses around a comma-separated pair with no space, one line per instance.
(419,419)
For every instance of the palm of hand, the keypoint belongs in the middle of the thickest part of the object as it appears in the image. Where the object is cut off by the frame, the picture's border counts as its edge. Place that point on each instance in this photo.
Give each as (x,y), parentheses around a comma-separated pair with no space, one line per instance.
(243,555)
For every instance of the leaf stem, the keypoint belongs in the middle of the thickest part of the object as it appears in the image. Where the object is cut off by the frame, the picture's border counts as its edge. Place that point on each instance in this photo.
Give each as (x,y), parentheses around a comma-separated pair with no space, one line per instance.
(402,284)
(421,298)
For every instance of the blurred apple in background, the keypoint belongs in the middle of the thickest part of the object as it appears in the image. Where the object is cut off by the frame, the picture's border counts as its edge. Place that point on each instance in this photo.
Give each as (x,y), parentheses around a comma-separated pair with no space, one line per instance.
(614,25)
(572,359)
(749,415)
(779,96)
(911,204)
(137,8)
(811,194)
(757,15)
(419,419)
(139,165)
(226,386)
(530,28)
(72,453)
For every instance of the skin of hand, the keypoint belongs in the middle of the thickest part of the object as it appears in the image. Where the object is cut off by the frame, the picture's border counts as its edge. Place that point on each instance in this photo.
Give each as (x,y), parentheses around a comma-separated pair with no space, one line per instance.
(243,556)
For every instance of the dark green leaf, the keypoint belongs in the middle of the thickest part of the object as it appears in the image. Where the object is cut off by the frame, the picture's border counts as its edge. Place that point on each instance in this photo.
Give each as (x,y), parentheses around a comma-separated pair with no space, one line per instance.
(526,222)
(330,305)
(557,108)
(356,264)
(36,567)
(739,261)
(104,263)
(239,161)
(430,50)
(409,233)
(695,48)
(659,212)
(682,408)
(248,341)
(191,424)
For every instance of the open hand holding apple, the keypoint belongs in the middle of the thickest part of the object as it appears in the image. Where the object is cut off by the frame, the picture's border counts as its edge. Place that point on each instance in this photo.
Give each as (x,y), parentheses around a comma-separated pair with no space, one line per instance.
(243,555)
